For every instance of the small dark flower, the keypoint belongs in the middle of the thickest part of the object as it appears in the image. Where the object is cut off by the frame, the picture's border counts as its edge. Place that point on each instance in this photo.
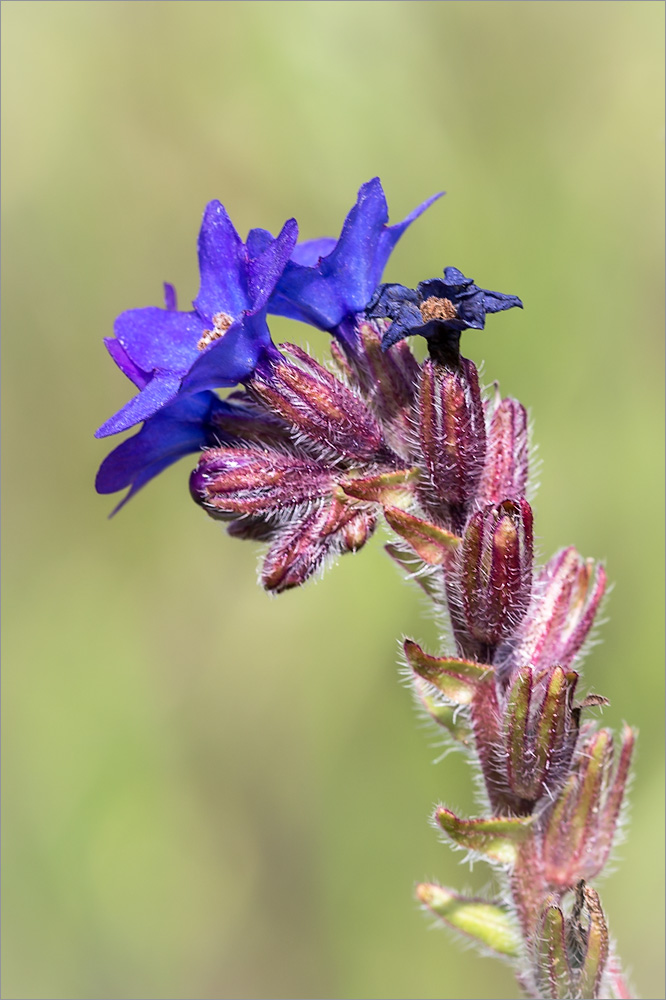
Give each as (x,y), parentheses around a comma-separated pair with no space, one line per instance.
(435,307)
(327,280)
(170,354)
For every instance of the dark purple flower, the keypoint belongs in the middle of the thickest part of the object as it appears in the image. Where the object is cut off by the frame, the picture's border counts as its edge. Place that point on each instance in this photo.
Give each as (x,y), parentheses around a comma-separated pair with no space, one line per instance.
(170,354)
(435,307)
(184,426)
(327,281)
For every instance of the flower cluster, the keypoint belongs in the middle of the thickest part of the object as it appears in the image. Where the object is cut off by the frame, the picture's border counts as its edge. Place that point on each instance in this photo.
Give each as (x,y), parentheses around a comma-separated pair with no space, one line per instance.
(308,458)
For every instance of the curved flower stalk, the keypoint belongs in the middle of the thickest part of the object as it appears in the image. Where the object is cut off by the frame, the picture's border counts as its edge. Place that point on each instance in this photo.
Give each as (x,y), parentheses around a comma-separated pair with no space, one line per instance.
(307,459)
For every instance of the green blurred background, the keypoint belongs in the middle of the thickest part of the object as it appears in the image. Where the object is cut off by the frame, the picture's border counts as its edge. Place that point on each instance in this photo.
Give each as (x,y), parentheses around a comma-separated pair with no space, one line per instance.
(207,792)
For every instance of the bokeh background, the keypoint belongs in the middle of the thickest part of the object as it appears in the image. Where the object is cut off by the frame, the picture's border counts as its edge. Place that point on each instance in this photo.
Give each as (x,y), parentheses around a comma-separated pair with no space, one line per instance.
(207,792)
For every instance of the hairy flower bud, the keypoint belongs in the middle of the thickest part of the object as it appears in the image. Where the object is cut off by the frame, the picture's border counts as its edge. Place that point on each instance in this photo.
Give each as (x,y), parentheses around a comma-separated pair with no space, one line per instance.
(387,380)
(540,728)
(304,545)
(322,412)
(452,437)
(230,482)
(505,469)
(525,737)
(571,952)
(496,570)
(579,832)
(565,600)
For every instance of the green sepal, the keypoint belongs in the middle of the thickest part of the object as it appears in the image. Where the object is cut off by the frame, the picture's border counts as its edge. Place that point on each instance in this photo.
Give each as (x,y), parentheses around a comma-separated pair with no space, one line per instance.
(449,717)
(597,945)
(516,718)
(552,717)
(489,924)
(496,839)
(597,763)
(431,543)
(392,488)
(554,972)
(456,679)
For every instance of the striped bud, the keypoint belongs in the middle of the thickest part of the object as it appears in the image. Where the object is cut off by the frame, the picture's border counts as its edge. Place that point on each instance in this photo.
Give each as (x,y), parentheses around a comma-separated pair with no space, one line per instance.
(565,600)
(581,826)
(306,544)
(496,570)
(321,411)
(505,469)
(452,438)
(230,482)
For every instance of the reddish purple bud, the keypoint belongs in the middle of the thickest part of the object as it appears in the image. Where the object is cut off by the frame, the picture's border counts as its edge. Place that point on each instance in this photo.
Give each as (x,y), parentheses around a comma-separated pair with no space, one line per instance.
(496,570)
(571,952)
(319,408)
(505,470)
(233,481)
(387,380)
(452,437)
(305,545)
(525,737)
(579,831)
(540,730)
(564,603)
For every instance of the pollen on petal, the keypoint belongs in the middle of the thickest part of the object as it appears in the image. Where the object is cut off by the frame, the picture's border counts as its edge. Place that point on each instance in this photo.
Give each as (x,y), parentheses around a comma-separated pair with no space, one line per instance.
(436,308)
(221,323)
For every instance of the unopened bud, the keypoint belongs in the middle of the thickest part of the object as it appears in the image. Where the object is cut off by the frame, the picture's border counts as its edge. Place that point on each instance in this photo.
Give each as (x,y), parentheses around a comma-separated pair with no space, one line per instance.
(505,469)
(452,436)
(565,600)
(318,407)
(571,952)
(580,829)
(236,481)
(387,380)
(496,570)
(540,730)
(305,545)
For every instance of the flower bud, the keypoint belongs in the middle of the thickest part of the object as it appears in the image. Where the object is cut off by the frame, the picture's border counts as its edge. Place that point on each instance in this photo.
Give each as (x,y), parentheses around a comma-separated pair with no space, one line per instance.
(564,603)
(505,469)
(387,381)
(496,570)
(321,411)
(525,737)
(230,482)
(571,952)
(540,730)
(305,545)
(579,831)
(452,437)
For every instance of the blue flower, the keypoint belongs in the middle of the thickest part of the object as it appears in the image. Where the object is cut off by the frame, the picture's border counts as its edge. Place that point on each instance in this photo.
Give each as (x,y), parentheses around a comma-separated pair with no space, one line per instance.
(438,306)
(185,426)
(328,281)
(170,354)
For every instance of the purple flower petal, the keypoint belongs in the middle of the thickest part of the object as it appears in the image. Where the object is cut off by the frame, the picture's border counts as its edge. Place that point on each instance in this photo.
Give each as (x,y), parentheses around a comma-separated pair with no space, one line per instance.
(126,365)
(231,358)
(265,269)
(177,430)
(341,283)
(162,388)
(309,252)
(160,338)
(222,260)
(170,297)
